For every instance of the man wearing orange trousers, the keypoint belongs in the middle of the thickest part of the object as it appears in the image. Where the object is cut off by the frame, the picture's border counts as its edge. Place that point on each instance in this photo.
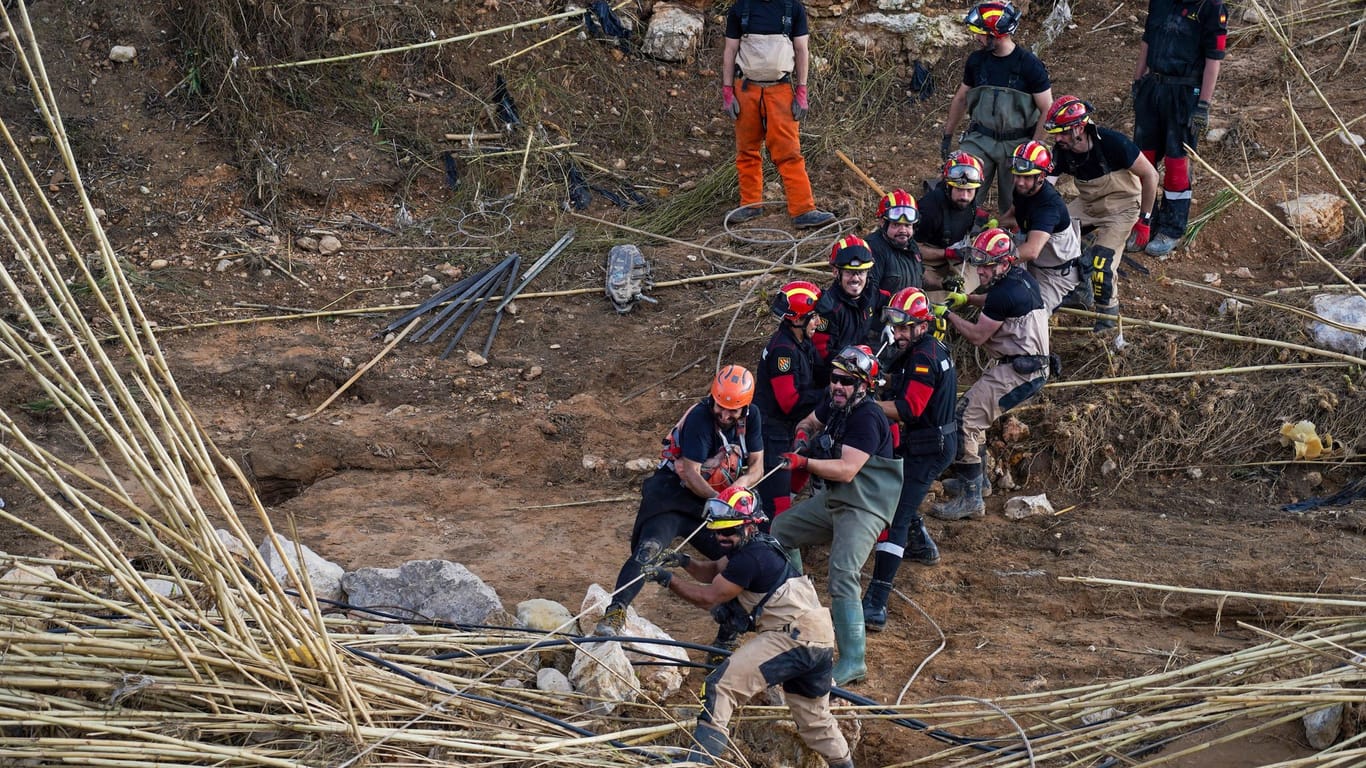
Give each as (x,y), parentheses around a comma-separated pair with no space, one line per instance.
(764,67)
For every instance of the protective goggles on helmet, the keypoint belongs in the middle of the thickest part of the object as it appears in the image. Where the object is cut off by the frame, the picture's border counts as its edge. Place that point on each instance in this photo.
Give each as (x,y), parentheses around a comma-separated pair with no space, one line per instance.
(962,173)
(894,316)
(721,515)
(902,214)
(1022,167)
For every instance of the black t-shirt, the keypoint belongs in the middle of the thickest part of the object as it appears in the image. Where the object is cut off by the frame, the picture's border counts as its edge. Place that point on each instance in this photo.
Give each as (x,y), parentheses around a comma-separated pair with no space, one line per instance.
(942,225)
(1020,71)
(1181,35)
(1043,211)
(1110,151)
(865,427)
(766,18)
(756,567)
(1015,295)
(699,439)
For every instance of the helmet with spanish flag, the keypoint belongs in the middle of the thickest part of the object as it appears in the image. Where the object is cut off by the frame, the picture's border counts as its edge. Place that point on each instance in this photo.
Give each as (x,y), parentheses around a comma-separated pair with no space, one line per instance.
(1031,158)
(732,507)
(796,301)
(851,252)
(898,206)
(995,18)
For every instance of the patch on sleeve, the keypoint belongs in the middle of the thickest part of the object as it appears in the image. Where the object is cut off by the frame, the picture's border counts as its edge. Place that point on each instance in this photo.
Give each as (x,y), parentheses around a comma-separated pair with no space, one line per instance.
(784,364)
(922,369)
(823,324)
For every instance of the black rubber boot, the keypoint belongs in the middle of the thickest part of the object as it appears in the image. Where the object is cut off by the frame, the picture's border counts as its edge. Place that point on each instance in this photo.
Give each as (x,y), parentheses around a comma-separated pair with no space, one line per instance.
(968,504)
(920,548)
(711,744)
(1106,323)
(875,603)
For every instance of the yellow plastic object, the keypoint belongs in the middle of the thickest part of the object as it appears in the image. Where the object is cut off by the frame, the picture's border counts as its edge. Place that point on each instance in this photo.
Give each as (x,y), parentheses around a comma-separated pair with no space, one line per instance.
(1305,438)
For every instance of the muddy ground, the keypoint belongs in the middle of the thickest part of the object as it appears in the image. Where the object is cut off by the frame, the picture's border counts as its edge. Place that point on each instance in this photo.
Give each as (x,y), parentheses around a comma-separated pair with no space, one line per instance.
(489,465)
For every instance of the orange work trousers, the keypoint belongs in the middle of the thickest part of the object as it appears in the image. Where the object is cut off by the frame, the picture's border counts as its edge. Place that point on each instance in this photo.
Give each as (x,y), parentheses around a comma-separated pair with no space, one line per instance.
(766,118)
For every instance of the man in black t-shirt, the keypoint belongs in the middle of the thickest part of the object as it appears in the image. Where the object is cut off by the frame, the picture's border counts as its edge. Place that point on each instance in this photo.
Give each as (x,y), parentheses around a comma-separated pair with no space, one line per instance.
(948,218)
(1052,243)
(1004,92)
(753,587)
(1116,188)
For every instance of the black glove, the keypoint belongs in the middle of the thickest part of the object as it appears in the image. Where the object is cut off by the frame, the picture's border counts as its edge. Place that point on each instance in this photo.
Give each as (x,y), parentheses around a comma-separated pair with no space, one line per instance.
(953,284)
(945,146)
(1199,122)
(674,560)
(658,574)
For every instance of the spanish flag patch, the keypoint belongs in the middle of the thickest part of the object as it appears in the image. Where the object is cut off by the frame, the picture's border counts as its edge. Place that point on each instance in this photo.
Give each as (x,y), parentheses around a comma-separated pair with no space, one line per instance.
(922,369)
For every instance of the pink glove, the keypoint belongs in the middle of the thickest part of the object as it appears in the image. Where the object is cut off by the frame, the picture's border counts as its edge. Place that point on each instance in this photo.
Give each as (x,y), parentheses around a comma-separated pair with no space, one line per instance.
(799,104)
(729,104)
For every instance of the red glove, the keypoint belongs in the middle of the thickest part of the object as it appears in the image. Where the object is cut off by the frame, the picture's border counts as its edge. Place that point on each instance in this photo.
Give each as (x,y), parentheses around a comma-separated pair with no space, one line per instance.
(800,104)
(953,254)
(795,461)
(728,102)
(1139,237)
(802,441)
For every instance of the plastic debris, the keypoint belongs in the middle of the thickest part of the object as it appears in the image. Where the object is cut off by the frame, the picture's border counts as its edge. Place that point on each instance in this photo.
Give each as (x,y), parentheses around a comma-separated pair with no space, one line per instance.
(1304,436)
(628,277)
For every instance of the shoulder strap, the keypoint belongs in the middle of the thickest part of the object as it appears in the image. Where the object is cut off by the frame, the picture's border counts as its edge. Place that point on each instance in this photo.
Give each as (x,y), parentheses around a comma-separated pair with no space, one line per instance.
(787,18)
(744,17)
(789,572)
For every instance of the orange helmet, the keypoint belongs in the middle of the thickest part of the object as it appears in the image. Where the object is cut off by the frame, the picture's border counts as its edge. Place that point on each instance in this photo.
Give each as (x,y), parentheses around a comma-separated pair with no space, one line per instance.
(898,206)
(1067,112)
(908,306)
(992,247)
(963,170)
(996,19)
(734,506)
(851,252)
(733,388)
(1031,159)
(722,469)
(796,301)
(859,362)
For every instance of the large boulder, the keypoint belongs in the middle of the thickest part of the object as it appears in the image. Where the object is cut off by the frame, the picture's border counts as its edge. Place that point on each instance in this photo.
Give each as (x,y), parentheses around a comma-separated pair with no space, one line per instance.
(430,590)
(917,35)
(1345,309)
(661,680)
(1315,217)
(323,574)
(673,32)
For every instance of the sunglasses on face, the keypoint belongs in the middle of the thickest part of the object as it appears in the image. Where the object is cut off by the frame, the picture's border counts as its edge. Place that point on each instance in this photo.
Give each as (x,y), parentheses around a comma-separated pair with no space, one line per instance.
(844,381)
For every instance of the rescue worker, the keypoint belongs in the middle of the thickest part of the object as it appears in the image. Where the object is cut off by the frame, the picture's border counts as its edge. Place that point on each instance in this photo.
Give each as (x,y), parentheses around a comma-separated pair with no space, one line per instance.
(1116,189)
(896,258)
(1051,239)
(787,389)
(717,442)
(922,385)
(846,441)
(1013,330)
(849,307)
(947,219)
(764,68)
(1178,65)
(753,586)
(1005,91)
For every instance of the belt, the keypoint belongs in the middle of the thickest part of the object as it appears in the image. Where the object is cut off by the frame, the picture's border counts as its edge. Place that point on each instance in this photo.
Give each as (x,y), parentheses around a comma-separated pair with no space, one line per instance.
(1063,267)
(942,429)
(767,83)
(1019,133)
(1174,79)
(1008,358)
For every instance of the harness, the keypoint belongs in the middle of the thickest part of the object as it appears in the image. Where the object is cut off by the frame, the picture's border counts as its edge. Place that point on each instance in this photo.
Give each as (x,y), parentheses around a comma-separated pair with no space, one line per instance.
(673,450)
(733,614)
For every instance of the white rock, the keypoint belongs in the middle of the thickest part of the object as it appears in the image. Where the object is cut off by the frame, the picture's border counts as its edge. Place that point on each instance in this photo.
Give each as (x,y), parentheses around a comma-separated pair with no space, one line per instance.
(325,575)
(1195,473)
(660,680)
(1231,306)
(533,373)
(1316,217)
(1243,273)
(1349,310)
(673,32)
(642,465)
(1322,726)
(163,587)
(552,680)
(1351,139)
(594,462)
(425,589)
(233,545)
(122,54)
(1251,15)
(1021,507)
(1107,467)
(158,264)
(223,265)
(1215,135)
(16,577)
(328,245)
(307,243)
(475,360)
(544,616)
(602,672)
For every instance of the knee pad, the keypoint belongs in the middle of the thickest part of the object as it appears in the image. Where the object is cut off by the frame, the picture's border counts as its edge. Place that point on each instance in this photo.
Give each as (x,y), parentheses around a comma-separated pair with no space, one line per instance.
(1178,177)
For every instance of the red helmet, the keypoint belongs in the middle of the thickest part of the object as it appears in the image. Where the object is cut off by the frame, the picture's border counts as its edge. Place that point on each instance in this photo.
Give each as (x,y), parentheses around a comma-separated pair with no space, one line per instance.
(907,307)
(796,301)
(859,362)
(963,171)
(994,18)
(733,388)
(1031,158)
(851,252)
(992,247)
(1067,112)
(898,206)
(734,506)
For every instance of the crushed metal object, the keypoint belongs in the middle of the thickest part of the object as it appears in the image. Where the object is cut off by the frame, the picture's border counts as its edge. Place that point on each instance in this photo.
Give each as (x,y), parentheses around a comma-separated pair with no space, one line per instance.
(628,277)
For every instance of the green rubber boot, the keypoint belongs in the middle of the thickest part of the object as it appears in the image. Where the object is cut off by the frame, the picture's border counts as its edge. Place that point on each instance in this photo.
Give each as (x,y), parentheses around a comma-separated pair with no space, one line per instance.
(850,638)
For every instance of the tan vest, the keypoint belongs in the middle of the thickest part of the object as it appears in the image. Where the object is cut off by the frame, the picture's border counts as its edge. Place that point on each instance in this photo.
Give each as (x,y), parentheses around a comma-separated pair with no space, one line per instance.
(794,605)
(765,58)
(1114,196)
(1027,335)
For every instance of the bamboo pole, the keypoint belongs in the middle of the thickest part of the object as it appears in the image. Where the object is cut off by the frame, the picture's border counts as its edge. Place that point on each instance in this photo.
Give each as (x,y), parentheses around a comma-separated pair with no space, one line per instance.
(1192,374)
(704,248)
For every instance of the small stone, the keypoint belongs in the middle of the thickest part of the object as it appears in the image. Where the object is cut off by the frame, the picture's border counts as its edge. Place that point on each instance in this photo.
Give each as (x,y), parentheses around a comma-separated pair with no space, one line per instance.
(533,373)
(1243,272)
(546,428)
(1212,278)
(595,463)
(223,265)
(642,465)
(475,360)
(122,54)
(619,163)
(328,245)
(1195,473)
(425,281)
(554,346)
(511,308)
(159,264)
(307,243)
(1313,479)
(450,270)
(552,680)
(1108,467)
(144,189)
(1021,507)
